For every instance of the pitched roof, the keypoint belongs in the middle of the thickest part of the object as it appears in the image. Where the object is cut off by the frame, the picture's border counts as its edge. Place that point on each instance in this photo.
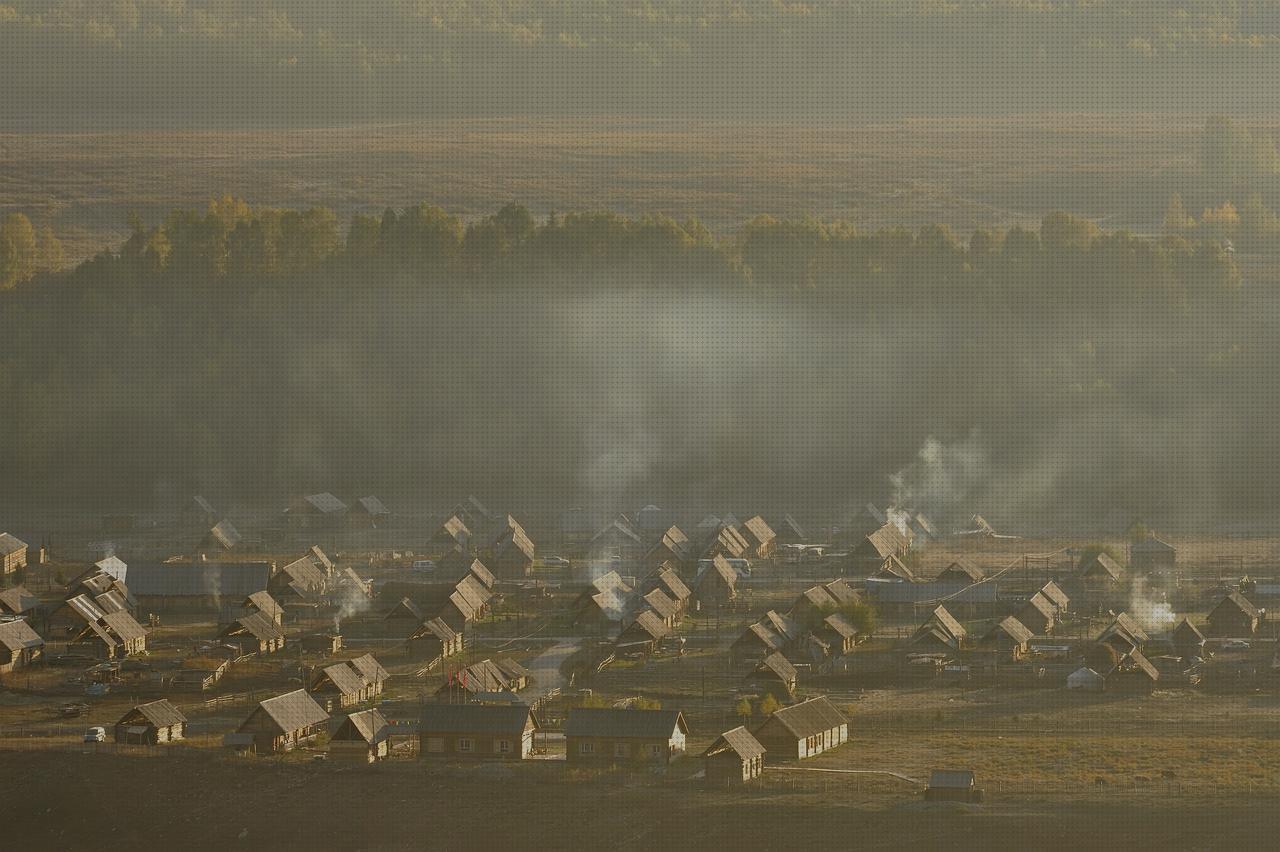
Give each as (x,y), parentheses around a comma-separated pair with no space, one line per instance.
(790,526)
(951,779)
(325,503)
(1135,660)
(841,625)
(1101,565)
(369,725)
(1125,626)
(767,637)
(664,606)
(370,669)
(721,570)
(18,636)
(648,621)
(841,592)
(819,597)
(344,677)
(406,607)
(305,573)
(784,625)
(160,713)
(1011,627)
(235,580)
(760,530)
(1056,596)
(1151,544)
(453,529)
(779,666)
(623,724)
(322,559)
(961,570)
(17,600)
(948,622)
(225,534)
(113,566)
(888,540)
(262,601)
(1187,631)
(617,527)
(124,626)
(475,718)
(435,627)
(895,567)
(511,668)
(739,741)
(1236,601)
(481,573)
(810,718)
(675,587)
(294,711)
(373,506)
(1041,604)
(257,624)
(10,544)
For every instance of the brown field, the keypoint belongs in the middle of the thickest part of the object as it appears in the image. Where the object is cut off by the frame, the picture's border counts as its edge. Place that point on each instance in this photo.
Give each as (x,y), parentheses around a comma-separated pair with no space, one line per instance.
(967,173)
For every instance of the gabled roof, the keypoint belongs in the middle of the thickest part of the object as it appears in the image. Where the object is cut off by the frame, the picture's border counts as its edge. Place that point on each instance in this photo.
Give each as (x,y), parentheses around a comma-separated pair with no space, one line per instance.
(739,741)
(616,528)
(10,544)
(610,580)
(113,566)
(453,529)
(664,606)
(511,668)
(1041,604)
(784,625)
(719,571)
(961,570)
(1151,545)
(810,718)
(322,559)
(819,597)
(1011,627)
(293,711)
(841,592)
(1186,631)
(1102,565)
(86,608)
(262,602)
(305,573)
(124,625)
(888,540)
(462,605)
(344,677)
(623,724)
(1135,660)
(373,506)
(435,627)
(791,528)
(1235,601)
(648,621)
(779,666)
(370,669)
(950,779)
(947,622)
(18,636)
(759,530)
(406,607)
(481,573)
(17,601)
(674,586)
(368,725)
(225,534)
(258,624)
(475,594)
(1056,596)
(325,503)
(1125,626)
(841,625)
(161,714)
(767,637)
(508,719)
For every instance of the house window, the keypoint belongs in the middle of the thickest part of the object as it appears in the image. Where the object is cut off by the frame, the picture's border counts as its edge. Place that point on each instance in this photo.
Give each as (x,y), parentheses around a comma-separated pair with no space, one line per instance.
(503,747)
(435,745)
(621,750)
(465,745)
(586,748)
(655,750)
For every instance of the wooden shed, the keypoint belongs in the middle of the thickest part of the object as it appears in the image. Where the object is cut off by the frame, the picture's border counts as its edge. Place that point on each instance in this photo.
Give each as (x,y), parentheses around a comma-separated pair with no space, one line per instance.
(951,785)
(363,737)
(803,730)
(609,735)
(735,758)
(1009,638)
(336,687)
(151,724)
(13,553)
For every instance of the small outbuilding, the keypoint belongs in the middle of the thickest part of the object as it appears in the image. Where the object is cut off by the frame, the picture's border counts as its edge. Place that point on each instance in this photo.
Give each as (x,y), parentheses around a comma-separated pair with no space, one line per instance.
(951,785)
(151,724)
(735,758)
(363,737)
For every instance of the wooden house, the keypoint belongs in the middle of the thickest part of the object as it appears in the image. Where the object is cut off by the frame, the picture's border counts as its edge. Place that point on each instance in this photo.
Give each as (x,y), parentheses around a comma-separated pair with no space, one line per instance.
(511,557)
(315,511)
(439,639)
(13,554)
(16,600)
(221,536)
(113,635)
(280,724)
(1100,574)
(617,538)
(300,583)
(643,634)
(672,547)
(893,568)
(337,687)
(453,533)
(477,731)
(518,677)
(613,736)
(254,633)
(362,737)
(1123,634)
(20,645)
(483,575)
(152,723)
(405,614)
(669,581)
(735,758)
(369,512)
(870,554)
(662,605)
(1134,673)
(1038,614)
(262,602)
(458,611)
(961,572)
(1151,555)
(803,730)
(758,641)
(842,593)
(777,675)
(814,604)
(789,531)
(839,633)
(480,678)
(373,674)
(940,632)
(1233,617)
(717,584)
(762,541)
(1188,641)
(1009,638)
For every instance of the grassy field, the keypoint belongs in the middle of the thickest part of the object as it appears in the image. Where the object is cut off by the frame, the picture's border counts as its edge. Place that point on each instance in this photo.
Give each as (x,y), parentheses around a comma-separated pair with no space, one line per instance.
(967,173)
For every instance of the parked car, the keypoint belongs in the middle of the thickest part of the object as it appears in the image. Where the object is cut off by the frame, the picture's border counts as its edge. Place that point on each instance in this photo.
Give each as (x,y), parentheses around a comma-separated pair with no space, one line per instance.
(1235,645)
(555,562)
(95,735)
(423,566)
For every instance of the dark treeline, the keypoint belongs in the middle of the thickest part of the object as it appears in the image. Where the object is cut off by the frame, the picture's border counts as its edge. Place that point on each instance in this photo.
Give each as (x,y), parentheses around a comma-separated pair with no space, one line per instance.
(216,62)
(594,358)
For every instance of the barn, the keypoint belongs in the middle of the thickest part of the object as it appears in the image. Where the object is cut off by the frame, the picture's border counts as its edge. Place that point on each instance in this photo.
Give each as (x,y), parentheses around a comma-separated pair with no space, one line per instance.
(151,724)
